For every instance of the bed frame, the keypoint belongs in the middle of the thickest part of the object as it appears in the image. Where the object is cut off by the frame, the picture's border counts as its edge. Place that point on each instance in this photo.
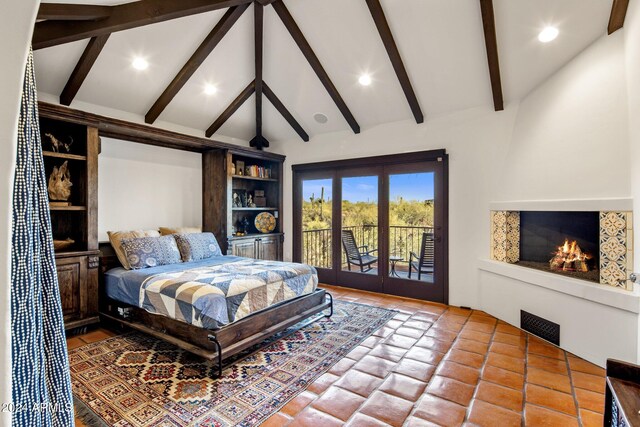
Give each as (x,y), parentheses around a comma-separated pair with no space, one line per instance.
(212,344)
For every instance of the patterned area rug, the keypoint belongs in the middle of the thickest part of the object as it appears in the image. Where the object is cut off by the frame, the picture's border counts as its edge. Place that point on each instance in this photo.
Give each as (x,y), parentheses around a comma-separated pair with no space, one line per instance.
(137,380)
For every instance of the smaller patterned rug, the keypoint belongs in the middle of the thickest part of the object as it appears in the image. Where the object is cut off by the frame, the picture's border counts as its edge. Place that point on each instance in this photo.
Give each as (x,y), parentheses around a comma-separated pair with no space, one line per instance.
(137,380)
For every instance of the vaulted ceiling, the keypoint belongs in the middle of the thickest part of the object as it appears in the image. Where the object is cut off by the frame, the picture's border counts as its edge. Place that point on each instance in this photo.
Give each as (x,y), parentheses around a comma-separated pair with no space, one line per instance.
(441,43)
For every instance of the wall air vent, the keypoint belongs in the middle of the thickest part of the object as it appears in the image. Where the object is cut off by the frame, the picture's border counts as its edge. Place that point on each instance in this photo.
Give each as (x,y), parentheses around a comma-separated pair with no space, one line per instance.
(540,327)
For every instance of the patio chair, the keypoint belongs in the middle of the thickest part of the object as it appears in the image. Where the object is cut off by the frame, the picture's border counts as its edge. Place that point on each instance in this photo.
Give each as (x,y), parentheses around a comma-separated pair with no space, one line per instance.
(424,263)
(355,256)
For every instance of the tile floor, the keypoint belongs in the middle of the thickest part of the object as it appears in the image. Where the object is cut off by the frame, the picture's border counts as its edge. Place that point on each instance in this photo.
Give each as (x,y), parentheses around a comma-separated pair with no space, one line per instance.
(437,365)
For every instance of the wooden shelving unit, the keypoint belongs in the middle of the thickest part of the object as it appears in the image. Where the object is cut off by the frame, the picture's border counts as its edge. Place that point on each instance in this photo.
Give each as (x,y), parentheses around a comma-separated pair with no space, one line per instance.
(223,219)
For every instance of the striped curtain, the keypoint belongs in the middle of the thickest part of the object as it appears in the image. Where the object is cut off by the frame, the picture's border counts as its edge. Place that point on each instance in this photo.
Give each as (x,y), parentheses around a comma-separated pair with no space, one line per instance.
(41,382)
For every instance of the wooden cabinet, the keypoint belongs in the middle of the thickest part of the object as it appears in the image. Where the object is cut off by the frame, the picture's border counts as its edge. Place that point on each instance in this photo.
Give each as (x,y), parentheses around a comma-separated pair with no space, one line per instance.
(268,247)
(78,282)
(622,394)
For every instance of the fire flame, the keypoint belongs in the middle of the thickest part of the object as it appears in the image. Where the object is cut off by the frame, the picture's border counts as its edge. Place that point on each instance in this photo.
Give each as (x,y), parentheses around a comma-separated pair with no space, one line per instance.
(569,257)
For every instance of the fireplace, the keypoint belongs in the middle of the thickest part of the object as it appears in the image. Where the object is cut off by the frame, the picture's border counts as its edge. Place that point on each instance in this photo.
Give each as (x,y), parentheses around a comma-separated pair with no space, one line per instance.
(561,242)
(596,246)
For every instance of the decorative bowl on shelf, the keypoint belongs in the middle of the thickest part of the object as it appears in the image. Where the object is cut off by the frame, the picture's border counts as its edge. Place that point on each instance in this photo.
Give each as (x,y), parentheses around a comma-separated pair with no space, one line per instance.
(265,222)
(60,245)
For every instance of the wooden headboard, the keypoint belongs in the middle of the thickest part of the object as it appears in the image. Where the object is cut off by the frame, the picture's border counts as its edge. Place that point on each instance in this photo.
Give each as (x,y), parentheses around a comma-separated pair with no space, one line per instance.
(108,258)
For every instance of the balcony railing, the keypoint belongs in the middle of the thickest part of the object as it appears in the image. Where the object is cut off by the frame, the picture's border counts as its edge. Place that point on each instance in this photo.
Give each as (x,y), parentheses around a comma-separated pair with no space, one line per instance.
(316,244)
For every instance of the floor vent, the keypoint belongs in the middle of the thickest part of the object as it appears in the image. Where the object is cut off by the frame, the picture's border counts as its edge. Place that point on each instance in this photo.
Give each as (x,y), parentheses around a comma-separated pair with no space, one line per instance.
(538,326)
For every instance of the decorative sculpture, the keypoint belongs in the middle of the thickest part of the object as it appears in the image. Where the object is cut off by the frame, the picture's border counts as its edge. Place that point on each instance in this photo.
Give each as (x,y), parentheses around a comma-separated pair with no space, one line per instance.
(56,144)
(60,183)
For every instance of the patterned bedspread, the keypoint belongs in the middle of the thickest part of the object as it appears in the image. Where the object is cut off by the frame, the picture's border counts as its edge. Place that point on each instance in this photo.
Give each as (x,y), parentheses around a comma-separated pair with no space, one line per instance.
(212,296)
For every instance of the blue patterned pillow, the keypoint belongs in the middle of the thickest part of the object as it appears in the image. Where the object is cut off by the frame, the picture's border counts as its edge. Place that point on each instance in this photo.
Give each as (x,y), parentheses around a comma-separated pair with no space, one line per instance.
(145,252)
(197,246)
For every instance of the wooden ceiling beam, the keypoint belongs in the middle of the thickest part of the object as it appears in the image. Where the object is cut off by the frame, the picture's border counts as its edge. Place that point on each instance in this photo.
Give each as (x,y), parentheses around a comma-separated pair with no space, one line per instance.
(307,51)
(491,43)
(232,108)
(258,38)
(124,17)
(202,52)
(72,12)
(618,15)
(275,101)
(80,72)
(394,55)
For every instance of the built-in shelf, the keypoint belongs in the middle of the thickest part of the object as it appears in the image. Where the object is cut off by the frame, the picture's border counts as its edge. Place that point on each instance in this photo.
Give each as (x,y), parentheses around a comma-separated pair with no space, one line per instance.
(585,205)
(255,209)
(67,208)
(254,178)
(63,155)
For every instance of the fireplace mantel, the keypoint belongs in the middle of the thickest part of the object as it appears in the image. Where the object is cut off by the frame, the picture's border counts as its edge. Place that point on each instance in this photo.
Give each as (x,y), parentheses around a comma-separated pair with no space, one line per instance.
(605,295)
(596,205)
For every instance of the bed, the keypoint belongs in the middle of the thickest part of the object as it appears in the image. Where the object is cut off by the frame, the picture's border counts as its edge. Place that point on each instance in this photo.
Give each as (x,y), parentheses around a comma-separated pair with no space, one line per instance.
(214,308)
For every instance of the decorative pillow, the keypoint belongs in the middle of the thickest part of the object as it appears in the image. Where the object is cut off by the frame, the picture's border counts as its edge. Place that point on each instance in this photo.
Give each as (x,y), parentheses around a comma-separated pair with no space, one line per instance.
(194,247)
(116,237)
(145,252)
(165,231)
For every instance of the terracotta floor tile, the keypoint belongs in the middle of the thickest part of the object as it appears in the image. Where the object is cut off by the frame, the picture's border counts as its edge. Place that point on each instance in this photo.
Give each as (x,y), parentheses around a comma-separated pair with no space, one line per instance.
(342,366)
(358,353)
(322,383)
(475,336)
(371,341)
(74,342)
(402,386)
(589,382)
(500,396)
(454,318)
(400,341)
(467,358)
(394,323)
(503,377)
(388,352)
(434,344)
(508,329)
(418,324)
(384,332)
(276,420)
(409,332)
(515,364)
(97,335)
(419,422)
(414,369)
(485,414)
(507,349)
(535,416)
(452,390)
(442,334)
(387,408)
(470,345)
(582,365)
(459,311)
(375,366)
(298,403)
(591,419)
(544,349)
(548,364)
(359,382)
(519,341)
(425,316)
(590,400)
(448,325)
(424,355)
(552,399)
(338,403)
(361,420)
(311,417)
(487,328)
(440,411)
(549,379)
(462,373)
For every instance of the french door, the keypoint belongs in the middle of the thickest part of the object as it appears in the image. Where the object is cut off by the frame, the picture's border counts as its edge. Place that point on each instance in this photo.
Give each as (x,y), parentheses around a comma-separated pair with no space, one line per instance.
(377,224)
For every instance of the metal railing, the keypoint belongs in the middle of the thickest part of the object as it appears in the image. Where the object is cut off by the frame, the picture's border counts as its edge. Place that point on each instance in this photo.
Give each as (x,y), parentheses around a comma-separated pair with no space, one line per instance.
(316,244)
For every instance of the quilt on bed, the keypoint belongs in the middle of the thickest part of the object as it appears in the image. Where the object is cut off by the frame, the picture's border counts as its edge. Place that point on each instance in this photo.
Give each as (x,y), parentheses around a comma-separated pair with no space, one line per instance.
(212,296)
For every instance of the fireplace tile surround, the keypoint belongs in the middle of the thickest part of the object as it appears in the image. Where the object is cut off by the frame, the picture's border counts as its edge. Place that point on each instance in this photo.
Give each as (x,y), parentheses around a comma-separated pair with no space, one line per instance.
(615,244)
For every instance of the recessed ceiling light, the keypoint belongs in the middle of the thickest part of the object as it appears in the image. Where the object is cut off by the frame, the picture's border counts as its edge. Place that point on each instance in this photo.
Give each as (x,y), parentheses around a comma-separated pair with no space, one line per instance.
(320,118)
(140,63)
(365,80)
(548,34)
(210,89)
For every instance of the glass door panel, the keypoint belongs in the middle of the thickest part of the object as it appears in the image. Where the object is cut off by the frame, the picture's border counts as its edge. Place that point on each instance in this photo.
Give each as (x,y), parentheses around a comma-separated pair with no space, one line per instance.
(317,213)
(360,224)
(411,226)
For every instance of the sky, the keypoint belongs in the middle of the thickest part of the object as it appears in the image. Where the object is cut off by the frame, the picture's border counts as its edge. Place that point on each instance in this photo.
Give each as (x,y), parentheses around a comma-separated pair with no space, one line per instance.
(411,186)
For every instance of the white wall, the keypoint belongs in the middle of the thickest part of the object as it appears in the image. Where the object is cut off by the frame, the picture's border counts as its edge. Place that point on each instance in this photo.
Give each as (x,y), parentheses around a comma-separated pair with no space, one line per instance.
(146,187)
(474,139)
(16,26)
